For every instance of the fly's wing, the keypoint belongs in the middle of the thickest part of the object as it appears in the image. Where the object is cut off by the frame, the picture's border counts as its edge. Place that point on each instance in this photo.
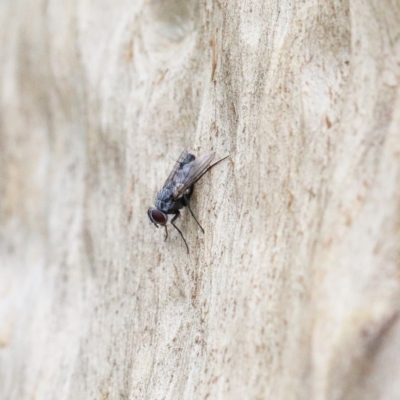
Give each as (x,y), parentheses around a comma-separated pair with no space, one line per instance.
(189,174)
(177,165)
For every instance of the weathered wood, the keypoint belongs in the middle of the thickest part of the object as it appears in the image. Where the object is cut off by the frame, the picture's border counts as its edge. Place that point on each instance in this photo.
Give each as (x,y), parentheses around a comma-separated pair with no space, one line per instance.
(292,292)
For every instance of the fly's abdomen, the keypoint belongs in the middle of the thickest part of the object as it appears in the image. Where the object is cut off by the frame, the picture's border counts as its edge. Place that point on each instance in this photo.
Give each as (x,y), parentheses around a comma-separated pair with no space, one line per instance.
(189,158)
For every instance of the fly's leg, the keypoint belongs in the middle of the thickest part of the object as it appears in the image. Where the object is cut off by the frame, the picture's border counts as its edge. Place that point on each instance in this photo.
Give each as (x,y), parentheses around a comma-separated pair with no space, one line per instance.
(211,166)
(166,233)
(172,222)
(186,198)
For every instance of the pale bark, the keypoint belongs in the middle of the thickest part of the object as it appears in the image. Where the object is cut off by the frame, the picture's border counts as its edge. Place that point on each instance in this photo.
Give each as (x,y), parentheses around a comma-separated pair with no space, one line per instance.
(292,292)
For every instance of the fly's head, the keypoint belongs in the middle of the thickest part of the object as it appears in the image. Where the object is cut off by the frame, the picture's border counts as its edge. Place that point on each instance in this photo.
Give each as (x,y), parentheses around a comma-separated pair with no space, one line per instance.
(157,217)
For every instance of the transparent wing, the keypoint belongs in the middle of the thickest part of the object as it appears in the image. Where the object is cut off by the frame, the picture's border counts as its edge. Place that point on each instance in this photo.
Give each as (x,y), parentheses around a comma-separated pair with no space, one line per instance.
(189,174)
(177,166)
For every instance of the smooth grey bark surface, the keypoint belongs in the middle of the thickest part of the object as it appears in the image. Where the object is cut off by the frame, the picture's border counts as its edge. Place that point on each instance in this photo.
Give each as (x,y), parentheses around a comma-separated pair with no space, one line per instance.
(292,292)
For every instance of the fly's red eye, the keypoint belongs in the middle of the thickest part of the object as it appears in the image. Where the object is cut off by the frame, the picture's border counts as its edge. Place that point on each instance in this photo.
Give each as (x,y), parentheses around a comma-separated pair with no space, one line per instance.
(157,217)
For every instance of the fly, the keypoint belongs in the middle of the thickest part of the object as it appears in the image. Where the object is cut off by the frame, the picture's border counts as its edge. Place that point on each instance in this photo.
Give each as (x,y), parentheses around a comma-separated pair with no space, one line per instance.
(178,189)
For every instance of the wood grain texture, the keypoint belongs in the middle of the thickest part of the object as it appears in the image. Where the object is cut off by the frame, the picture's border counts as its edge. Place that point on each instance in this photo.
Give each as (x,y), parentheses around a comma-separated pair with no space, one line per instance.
(293,292)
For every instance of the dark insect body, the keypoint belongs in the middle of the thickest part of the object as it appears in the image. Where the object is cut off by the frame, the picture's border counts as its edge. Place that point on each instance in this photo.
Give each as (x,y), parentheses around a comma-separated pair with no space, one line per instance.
(178,189)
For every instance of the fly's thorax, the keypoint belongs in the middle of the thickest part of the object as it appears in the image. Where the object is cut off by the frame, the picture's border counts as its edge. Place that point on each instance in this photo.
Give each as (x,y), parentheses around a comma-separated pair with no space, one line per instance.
(161,202)
(165,201)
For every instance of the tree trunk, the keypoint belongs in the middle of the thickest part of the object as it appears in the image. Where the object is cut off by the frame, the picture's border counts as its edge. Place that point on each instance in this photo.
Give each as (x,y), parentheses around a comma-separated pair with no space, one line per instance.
(292,292)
